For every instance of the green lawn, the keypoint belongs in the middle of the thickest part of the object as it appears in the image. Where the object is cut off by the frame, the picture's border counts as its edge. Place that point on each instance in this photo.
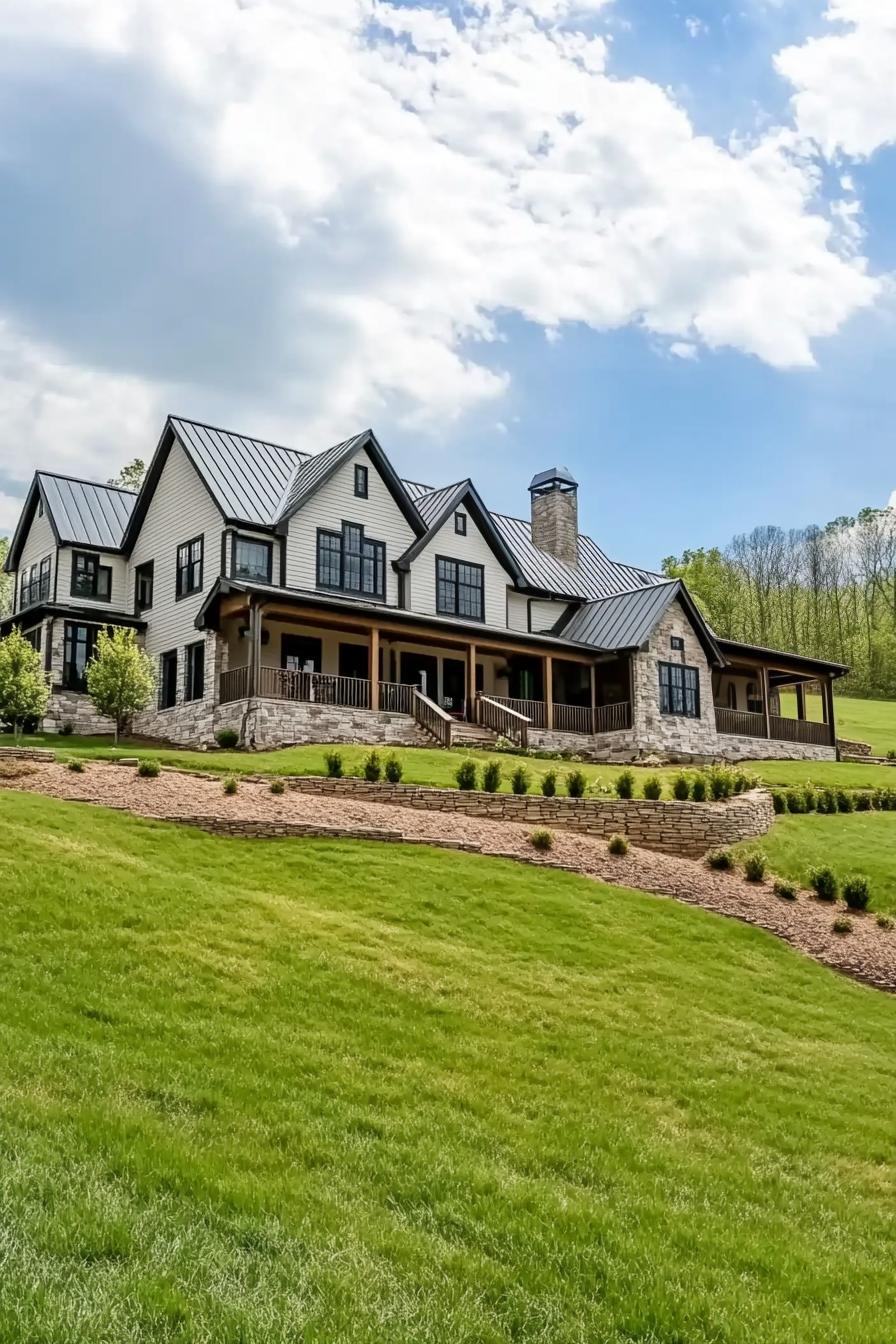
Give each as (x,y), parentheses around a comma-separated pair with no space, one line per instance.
(872,721)
(851,842)
(337,1093)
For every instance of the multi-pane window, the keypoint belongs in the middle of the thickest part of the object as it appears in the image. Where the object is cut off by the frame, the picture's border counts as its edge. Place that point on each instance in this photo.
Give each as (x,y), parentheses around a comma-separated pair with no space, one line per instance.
(189,567)
(350,562)
(78,649)
(34,638)
(360,481)
(194,672)
(35,585)
(143,581)
(252,559)
(90,578)
(679,690)
(459,588)
(168,680)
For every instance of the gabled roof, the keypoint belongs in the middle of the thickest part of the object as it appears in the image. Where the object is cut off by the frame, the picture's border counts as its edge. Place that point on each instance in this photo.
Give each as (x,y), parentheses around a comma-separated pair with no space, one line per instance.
(438,506)
(318,470)
(80,513)
(595,576)
(627,620)
(247,478)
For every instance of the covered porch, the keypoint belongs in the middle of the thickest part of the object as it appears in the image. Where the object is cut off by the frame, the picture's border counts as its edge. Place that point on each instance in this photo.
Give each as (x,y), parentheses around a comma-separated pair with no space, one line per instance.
(778,698)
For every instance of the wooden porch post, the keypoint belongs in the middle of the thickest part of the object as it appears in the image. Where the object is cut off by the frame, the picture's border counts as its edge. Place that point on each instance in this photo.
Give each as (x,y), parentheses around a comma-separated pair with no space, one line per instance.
(374,667)
(593,671)
(765,693)
(548,691)
(829,714)
(471,683)
(254,647)
(800,700)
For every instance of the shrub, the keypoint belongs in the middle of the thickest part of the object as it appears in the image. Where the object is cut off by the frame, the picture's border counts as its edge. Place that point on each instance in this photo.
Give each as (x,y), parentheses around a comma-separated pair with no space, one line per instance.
(549,783)
(698,788)
(721,782)
(67,728)
(842,925)
(625,784)
(823,882)
(810,798)
(826,801)
(786,890)
(76,767)
(796,800)
(856,892)
(844,801)
(864,801)
(148,769)
(227,738)
(618,845)
(277,786)
(891,754)
(576,784)
(465,775)
(653,787)
(491,777)
(720,859)
(519,780)
(393,769)
(755,864)
(743,781)
(230,785)
(541,840)
(779,801)
(333,762)
(681,786)
(884,922)
(372,767)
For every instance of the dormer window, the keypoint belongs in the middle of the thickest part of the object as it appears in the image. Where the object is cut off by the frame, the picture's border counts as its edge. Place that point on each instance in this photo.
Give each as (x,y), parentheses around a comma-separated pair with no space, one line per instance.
(460,524)
(252,559)
(89,578)
(349,562)
(361,481)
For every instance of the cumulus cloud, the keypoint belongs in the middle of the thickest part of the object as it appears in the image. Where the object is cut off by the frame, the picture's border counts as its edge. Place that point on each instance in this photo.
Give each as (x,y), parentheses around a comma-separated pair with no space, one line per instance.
(331,205)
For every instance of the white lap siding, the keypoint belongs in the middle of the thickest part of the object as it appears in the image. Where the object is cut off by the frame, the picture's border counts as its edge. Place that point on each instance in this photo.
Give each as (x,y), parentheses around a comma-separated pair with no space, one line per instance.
(469,549)
(121,599)
(39,544)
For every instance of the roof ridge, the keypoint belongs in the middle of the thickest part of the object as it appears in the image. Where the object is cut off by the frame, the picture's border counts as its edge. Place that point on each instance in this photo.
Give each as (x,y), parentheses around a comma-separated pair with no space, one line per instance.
(85,480)
(238,434)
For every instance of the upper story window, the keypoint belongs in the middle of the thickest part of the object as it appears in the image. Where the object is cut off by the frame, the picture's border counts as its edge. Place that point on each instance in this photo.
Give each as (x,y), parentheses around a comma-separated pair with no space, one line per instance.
(460,524)
(143,585)
(459,588)
(361,481)
(189,567)
(252,559)
(350,562)
(677,643)
(90,578)
(35,584)
(78,648)
(679,690)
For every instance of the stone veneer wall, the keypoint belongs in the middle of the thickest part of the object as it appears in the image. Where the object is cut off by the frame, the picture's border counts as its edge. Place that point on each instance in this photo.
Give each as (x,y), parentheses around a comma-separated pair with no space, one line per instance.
(273,723)
(764,749)
(685,828)
(620,747)
(671,734)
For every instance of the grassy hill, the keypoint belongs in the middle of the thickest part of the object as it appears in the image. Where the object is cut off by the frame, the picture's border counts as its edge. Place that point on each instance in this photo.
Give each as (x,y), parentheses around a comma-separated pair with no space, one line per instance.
(335,1092)
(872,721)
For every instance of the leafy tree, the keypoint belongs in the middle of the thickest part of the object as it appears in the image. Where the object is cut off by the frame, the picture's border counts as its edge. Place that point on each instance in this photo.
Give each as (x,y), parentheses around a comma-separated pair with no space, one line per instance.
(23,688)
(120,676)
(131,475)
(5,579)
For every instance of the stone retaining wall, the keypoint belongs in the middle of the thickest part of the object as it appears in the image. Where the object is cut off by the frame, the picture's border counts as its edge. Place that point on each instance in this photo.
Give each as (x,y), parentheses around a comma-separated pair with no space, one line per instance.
(684,828)
(273,830)
(26,754)
(277,723)
(850,748)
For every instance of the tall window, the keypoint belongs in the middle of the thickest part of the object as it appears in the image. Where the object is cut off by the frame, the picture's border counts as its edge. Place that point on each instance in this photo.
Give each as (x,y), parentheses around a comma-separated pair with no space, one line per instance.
(35,586)
(194,681)
(460,524)
(78,649)
(459,588)
(168,680)
(90,578)
(252,559)
(143,581)
(189,567)
(360,481)
(351,563)
(679,690)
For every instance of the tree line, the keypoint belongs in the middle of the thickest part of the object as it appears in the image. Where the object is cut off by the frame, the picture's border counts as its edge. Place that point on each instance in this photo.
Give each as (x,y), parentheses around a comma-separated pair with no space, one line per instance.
(825,592)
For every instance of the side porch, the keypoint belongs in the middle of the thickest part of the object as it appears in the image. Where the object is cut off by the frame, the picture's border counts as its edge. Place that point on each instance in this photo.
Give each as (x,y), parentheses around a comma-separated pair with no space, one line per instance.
(775,699)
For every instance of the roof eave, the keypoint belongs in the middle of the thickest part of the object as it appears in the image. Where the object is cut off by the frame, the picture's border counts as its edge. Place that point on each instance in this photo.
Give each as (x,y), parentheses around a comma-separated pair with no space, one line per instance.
(466,490)
(370,444)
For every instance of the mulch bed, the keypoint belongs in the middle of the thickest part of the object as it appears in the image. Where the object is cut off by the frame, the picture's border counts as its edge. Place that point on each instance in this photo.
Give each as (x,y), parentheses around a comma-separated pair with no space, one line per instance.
(868,953)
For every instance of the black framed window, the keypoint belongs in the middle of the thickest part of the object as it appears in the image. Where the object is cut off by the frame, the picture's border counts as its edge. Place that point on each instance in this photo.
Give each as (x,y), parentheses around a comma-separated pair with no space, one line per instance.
(168,680)
(143,584)
(252,559)
(90,578)
(361,481)
(79,646)
(349,562)
(189,567)
(460,524)
(35,584)
(194,671)
(677,643)
(34,638)
(679,690)
(459,588)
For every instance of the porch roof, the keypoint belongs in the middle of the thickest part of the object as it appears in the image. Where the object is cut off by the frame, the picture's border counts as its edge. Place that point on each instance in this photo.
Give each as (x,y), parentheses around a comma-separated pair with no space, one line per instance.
(84,615)
(776,658)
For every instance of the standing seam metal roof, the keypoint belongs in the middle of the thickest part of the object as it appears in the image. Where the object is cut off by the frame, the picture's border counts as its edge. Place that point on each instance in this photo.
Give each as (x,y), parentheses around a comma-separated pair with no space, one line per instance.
(623,621)
(594,577)
(247,477)
(85,512)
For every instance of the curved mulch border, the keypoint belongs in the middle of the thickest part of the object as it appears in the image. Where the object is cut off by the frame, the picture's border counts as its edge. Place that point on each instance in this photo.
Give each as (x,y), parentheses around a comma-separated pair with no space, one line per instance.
(867,954)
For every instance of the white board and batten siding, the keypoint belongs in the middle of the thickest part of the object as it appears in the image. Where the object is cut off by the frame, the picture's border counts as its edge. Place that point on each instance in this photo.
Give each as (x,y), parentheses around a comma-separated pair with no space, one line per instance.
(469,549)
(180,510)
(334,503)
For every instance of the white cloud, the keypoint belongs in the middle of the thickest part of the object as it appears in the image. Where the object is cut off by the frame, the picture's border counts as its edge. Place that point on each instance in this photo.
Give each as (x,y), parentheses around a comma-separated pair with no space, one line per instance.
(696,27)
(683,350)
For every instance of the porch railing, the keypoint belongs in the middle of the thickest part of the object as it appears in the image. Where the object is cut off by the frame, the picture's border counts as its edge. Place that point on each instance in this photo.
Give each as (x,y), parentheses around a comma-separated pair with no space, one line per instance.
(746,723)
(432,718)
(582,719)
(533,710)
(234,685)
(397,697)
(320,688)
(573,719)
(613,718)
(498,715)
(740,722)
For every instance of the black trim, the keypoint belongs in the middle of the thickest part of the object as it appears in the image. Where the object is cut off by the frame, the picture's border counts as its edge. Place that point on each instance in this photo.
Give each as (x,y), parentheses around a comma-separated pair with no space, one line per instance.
(224,535)
(168,679)
(98,570)
(72,680)
(235,539)
(48,651)
(184,569)
(456,583)
(141,571)
(362,482)
(71,612)
(460,523)
(466,491)
(283,562)
(688,688)
(368,442)
(192,652)
(733,649)
(167,440)
(378,559)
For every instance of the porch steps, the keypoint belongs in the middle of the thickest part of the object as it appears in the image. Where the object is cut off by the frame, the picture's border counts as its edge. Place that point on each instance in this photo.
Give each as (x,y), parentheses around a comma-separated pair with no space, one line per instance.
(472,735)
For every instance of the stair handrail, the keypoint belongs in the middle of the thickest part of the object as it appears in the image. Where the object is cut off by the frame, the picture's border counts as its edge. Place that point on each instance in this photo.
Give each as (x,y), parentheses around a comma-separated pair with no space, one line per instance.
(509,723)
(432,718)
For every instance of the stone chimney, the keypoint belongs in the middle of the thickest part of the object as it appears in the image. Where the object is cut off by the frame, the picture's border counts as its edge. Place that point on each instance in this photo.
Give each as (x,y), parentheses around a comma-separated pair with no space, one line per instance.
(555,514)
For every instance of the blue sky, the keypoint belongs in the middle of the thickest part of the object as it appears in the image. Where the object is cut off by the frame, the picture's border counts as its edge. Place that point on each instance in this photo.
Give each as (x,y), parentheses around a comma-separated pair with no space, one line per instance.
(651,240)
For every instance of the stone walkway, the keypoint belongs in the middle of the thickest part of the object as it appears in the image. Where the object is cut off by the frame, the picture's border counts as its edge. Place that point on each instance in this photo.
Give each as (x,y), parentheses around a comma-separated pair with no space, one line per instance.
(868,953)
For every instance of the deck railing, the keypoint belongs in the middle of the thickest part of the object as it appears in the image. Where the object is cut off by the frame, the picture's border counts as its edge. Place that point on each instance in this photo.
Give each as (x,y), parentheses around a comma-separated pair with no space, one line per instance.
(746,723)
(497,715)
(533,710)
(432,718)
(613,718)
(397,697)
(234,685)
(740,722)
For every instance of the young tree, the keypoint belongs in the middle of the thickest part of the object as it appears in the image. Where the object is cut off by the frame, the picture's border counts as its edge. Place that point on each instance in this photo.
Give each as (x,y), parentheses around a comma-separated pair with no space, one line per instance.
(23,688)
(120,676)
(5,580)
(131,475)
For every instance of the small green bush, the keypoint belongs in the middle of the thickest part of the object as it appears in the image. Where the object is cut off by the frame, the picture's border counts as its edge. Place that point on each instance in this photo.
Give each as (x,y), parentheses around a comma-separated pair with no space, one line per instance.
(277,786)
(721,782)
(576,784)
(779,801)
(786,890)
(230,785)
(549,783)
(372,767)
(465,775)
(148,769)
(842,925)
(625,784)
(519,780)
(864,801)
(755,864)
(681,786)
(227,738)
(823,881)
(826,802)
(491,777)
(541,840)
(720,859)
(653,787)
(884,922)
(856,892)
(618,845)
(67,728)
(796,800)
(76,767)
(333,762)
(698,788)
(891,754)
(393,769)
(743,781)
(844,801)
(810,798)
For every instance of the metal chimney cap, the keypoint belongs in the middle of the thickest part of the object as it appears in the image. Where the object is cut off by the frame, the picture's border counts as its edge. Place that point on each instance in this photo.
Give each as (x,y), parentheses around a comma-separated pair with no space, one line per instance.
(561,477)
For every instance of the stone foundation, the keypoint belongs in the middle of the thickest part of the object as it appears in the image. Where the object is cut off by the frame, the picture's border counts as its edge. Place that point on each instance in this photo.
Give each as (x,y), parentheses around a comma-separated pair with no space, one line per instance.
(733,748)
(69,707)
(607,748)
(280,723)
